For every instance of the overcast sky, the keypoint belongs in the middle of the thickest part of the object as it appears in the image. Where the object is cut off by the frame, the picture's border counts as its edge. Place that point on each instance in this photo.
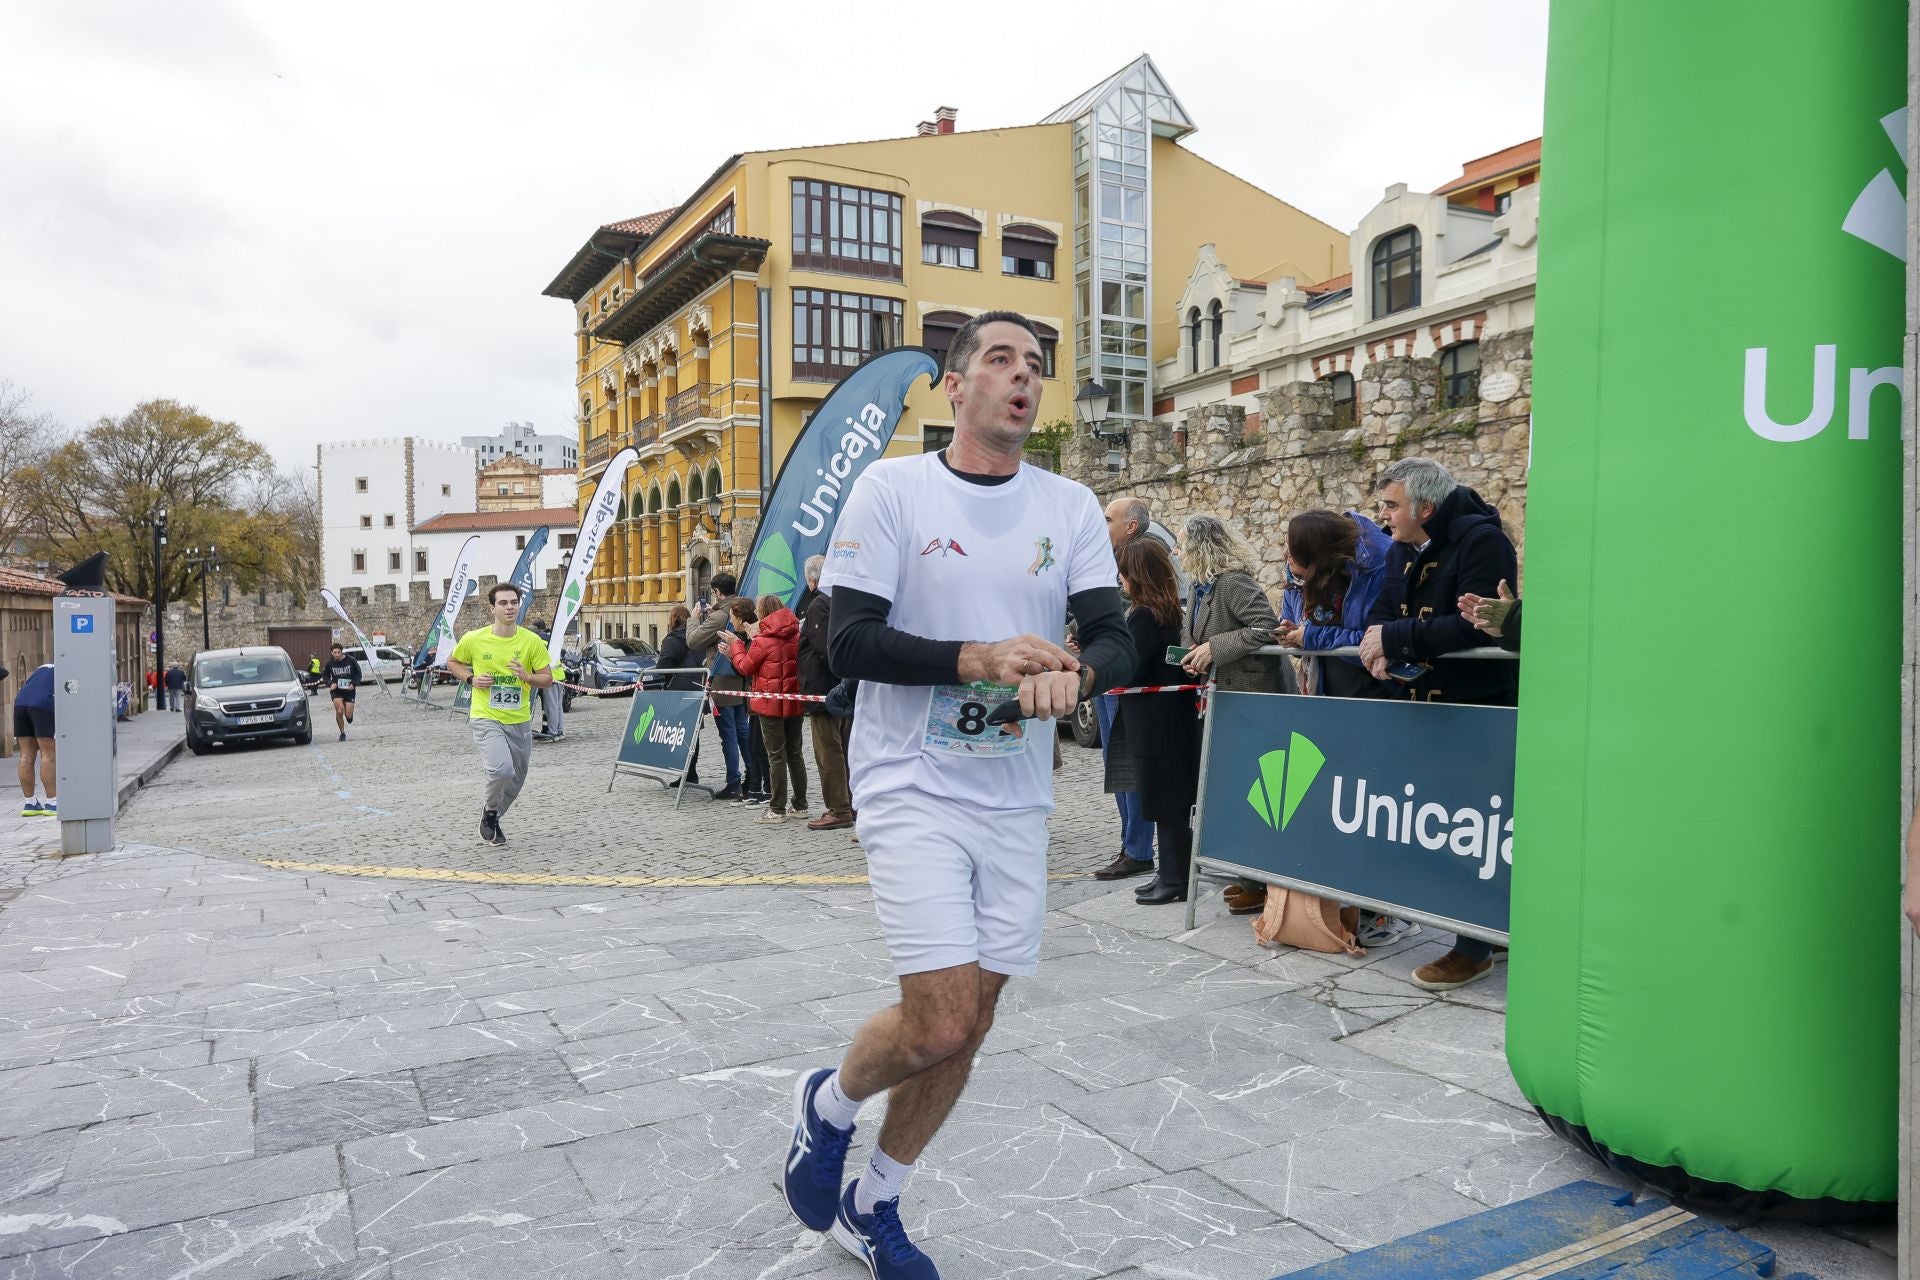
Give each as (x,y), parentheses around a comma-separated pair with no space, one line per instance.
(334,221)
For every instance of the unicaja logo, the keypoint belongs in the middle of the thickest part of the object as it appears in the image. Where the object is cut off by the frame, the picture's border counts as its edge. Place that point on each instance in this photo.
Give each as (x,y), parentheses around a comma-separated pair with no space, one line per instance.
(1879,218)
(670,736)
(1285,777)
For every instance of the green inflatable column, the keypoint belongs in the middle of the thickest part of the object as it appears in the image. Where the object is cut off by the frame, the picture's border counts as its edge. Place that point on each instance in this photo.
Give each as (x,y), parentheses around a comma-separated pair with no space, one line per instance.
(1705,910)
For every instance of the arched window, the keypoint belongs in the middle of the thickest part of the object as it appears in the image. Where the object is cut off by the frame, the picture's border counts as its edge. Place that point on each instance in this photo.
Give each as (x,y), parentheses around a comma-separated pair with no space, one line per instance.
(1027,250)
(1396,272)
(1193,326)
(1217,319)
(693,488)
(653,501)
(1460,375)
(673,493)
(714,487)
(937,332)
(1343,402)
(949,239)
(620,512)
(1049,343)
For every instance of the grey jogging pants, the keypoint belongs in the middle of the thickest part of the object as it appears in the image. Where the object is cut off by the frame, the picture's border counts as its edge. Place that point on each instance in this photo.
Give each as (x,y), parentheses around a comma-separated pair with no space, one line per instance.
(505,749)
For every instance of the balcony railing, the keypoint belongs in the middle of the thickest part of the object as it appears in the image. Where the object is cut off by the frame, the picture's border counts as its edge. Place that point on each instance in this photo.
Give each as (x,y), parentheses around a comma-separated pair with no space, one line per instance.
(598,450)
(689,404)
(646,431)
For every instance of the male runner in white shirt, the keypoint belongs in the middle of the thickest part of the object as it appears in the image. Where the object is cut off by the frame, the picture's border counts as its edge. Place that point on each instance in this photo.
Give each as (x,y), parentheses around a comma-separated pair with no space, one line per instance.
(948,572)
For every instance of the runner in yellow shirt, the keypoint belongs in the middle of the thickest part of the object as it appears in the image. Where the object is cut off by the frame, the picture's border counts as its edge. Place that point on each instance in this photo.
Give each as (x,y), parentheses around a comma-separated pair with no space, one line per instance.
(506,662)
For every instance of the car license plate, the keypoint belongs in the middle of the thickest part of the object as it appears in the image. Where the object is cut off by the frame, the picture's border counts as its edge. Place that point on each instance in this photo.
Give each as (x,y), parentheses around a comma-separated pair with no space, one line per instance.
(253,719)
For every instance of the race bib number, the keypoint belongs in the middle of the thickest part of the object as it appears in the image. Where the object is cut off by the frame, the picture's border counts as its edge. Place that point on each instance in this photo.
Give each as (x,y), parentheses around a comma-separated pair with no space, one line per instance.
(957,721)
(343,682)
(504,697)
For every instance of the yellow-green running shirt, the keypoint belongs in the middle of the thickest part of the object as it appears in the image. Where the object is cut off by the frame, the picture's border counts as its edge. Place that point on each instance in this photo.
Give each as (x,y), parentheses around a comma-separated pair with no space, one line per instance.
(509,700)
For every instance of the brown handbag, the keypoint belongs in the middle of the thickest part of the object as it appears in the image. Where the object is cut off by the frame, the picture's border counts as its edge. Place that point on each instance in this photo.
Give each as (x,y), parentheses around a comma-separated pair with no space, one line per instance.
(1295,919)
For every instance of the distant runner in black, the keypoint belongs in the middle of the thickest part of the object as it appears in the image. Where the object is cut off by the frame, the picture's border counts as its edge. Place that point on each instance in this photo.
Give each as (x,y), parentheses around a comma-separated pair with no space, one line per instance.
(342,677)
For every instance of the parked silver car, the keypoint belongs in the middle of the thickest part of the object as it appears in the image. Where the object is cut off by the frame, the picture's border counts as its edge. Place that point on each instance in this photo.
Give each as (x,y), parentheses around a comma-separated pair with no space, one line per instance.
(244,695)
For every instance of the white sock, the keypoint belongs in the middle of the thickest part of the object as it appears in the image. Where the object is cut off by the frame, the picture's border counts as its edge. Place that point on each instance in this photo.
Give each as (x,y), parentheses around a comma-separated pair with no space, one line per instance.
(885,1178)
(833,1106)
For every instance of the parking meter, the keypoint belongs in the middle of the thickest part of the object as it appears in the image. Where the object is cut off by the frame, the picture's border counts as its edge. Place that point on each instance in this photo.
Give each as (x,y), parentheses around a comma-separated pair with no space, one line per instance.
(84,732)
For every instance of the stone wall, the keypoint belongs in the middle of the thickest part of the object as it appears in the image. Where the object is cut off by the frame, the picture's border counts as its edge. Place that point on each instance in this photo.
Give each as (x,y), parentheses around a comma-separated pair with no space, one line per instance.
(1256,471)
(405,622)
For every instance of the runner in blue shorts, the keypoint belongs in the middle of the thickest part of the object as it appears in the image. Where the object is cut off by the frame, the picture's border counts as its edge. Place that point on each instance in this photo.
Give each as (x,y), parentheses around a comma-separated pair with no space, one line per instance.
(948,572)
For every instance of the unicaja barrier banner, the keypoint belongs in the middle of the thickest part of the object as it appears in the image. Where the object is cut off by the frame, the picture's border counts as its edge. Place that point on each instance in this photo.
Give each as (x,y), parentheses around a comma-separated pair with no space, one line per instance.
(1406,805)
(594,524)
(849,430)
(1704,984)
(332,601)
(661,730)
(523,572)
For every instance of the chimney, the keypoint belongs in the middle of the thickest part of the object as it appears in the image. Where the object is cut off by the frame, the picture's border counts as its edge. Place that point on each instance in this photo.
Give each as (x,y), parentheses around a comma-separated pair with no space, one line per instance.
(925,129)
(944,116)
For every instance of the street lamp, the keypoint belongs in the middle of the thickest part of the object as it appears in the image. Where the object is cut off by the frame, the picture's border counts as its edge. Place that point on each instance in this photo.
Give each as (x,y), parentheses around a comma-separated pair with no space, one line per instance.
(205,561)
(1091,404)
(721,538)
(159,525)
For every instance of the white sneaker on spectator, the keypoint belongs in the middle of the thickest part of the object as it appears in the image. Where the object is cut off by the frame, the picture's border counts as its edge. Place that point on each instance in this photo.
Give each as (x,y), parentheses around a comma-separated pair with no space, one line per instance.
(1380,930)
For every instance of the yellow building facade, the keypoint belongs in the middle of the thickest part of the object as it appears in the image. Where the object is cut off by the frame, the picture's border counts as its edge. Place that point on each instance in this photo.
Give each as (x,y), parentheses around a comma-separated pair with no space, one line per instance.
(858,247)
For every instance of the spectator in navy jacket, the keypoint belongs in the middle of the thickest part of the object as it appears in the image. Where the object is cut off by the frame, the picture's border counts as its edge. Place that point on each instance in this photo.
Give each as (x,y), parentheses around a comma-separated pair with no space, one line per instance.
(1448,543)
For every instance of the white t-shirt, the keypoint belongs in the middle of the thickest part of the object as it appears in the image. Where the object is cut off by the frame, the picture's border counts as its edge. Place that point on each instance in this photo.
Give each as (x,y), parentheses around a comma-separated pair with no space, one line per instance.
(962,561)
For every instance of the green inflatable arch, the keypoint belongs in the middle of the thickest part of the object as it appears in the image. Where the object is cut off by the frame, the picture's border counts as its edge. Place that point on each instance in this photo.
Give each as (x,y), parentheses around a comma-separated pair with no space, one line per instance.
(1705,935)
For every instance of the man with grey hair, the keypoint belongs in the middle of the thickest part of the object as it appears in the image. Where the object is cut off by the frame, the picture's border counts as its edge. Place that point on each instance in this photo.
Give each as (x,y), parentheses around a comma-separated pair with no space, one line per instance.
(816,677)
(1447,542)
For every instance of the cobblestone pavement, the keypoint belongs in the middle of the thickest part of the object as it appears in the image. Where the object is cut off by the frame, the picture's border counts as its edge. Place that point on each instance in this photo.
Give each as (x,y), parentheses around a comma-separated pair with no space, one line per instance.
(211,1068)
(404,791)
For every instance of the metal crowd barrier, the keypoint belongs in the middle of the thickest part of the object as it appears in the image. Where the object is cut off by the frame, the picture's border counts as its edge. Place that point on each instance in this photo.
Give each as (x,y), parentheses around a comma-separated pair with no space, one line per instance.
(1372,708)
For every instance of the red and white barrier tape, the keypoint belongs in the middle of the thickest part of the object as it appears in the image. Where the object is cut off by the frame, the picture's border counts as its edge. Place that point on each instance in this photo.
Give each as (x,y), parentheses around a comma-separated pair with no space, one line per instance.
(1156,688)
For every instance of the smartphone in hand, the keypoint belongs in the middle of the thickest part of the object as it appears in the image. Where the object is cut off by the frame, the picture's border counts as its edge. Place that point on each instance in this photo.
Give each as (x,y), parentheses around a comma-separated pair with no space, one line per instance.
(1407,672)
(1177,653)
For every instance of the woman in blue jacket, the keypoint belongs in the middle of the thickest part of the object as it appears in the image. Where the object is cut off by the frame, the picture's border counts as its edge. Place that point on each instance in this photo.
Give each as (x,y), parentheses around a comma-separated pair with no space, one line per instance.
(1336,565)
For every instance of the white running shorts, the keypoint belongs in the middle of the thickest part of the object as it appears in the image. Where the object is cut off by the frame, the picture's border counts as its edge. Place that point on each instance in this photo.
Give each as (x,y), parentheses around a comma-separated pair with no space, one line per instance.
(955,884)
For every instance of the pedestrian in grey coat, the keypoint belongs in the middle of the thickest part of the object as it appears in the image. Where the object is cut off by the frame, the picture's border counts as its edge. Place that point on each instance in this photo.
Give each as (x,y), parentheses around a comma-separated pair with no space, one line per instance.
(1229,614)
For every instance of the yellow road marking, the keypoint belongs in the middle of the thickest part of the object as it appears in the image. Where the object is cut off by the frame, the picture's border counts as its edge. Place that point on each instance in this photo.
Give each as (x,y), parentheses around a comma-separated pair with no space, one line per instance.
(549,878)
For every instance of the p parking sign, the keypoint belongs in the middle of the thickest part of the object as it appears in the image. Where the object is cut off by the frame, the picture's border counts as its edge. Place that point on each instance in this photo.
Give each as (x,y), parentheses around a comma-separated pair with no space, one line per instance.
(82,623)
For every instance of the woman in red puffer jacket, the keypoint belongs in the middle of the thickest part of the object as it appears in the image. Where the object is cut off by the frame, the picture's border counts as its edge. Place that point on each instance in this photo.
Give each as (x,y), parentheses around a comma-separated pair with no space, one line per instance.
(770,657)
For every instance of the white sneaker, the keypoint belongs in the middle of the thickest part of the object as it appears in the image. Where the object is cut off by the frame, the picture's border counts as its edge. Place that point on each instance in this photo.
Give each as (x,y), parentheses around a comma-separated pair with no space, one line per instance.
(801,814)
(768,816)
(1379,930)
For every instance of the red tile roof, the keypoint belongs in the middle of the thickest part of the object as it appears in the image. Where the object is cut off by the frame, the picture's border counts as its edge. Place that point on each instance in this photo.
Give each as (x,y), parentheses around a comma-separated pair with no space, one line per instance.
(1524,155)
(644,225)
(20,582)
(1330,286)
(482,521)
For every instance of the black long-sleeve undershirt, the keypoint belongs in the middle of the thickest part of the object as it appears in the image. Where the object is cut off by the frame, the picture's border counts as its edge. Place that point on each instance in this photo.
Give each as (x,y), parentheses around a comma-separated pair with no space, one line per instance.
(864,647)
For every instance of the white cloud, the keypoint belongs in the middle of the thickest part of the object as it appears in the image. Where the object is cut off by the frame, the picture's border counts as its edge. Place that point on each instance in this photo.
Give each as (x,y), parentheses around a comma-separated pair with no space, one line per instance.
(335,221)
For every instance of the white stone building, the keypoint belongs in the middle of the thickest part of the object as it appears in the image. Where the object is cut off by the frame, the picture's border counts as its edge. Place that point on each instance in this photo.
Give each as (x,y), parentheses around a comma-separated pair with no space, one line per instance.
(1435,279)
(503,536)
(372,495)
(554,452)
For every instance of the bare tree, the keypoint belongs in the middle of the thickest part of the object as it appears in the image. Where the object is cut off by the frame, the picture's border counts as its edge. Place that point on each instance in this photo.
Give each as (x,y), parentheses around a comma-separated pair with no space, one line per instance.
(25,440)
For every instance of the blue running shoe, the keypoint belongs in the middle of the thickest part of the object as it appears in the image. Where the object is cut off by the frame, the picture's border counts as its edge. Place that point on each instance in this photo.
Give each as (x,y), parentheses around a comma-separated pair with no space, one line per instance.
(879,1240)
(32,808)
(816,1157)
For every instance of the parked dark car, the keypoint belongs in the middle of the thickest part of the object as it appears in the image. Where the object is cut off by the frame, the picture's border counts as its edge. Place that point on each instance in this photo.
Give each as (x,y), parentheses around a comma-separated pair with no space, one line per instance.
(614,664)
(244,695)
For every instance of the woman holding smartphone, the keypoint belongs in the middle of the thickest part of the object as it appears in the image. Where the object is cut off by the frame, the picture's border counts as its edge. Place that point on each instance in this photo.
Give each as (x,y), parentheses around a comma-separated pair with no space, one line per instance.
(1159,732)
(1336,565)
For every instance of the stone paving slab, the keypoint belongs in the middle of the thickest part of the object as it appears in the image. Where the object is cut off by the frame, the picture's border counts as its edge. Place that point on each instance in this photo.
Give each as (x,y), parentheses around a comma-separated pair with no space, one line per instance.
(213,1067)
